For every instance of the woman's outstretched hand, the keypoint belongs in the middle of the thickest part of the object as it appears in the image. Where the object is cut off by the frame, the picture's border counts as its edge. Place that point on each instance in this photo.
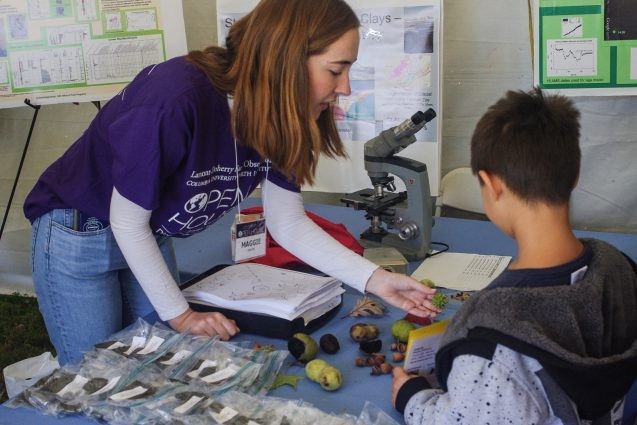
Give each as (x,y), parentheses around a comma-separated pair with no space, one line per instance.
(403,292)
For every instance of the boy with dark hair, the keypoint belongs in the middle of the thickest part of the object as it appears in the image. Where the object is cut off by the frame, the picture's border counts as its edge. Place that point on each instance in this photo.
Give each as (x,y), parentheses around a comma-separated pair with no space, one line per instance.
(552,340)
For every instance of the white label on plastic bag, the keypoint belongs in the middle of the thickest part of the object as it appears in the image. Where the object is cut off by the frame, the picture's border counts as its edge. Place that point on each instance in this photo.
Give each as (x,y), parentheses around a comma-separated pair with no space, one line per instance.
(74,386)
(116,345)
(179,356)
(125,395)
(225,415)
(180,410)
(138,342)
(221,375)
(152,345)
(207,363)
(109,386)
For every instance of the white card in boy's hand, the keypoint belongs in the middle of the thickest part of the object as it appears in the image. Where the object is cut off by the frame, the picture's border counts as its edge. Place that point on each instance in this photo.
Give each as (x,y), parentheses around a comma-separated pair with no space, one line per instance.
(462,272)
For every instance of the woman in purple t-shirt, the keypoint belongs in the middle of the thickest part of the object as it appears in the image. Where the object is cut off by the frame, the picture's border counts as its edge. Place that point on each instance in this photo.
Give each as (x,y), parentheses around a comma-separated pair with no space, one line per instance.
(169,155)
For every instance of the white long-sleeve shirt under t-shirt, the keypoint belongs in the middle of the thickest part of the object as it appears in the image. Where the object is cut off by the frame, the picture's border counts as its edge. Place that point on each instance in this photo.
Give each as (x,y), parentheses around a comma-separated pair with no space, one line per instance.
(285,219)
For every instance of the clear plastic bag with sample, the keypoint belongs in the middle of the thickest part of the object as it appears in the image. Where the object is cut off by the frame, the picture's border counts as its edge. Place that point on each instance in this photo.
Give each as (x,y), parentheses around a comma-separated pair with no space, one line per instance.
(70,388)
(271,361)
(181,352)
(300,412)
(373,415)
(21,375)
(142,341)
(223,366)
(145,385)
(236,408)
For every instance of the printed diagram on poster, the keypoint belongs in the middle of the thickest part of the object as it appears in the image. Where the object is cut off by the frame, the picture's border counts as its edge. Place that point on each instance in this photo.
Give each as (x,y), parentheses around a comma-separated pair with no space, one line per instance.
(56,51)
(397,73)
(586,47)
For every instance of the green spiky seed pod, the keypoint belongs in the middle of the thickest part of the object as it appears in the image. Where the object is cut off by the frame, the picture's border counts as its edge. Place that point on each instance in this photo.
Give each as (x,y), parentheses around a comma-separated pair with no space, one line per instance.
(439,300)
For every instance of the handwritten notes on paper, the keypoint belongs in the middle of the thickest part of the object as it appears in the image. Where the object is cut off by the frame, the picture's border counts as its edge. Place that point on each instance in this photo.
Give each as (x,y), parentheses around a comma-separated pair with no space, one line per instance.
(258,288)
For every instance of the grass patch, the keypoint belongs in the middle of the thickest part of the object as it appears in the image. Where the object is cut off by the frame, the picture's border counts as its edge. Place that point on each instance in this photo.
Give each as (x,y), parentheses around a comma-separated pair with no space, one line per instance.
(22,332)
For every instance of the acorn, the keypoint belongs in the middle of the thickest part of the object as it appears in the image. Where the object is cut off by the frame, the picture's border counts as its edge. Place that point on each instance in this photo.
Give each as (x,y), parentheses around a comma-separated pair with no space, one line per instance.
(329,344)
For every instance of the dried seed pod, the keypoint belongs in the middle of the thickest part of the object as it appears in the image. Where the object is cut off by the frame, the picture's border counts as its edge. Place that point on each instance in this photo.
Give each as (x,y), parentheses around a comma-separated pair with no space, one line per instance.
(360,362)
(376,370)
(364,332)
(402,347)
(371,347)
(394,346)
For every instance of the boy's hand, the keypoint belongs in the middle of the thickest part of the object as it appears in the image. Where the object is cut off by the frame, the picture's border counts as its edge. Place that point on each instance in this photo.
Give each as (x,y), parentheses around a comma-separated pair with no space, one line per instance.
(400,377)
(206,324)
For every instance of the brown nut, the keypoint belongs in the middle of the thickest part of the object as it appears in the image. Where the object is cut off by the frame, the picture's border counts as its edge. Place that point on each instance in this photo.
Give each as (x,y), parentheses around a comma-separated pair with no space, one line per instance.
(378,358)
(398,357)
(386,368)
(329,344)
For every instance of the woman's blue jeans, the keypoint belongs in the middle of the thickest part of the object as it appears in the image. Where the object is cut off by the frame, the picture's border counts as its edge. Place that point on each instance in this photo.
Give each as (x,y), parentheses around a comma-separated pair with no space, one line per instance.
(85,290)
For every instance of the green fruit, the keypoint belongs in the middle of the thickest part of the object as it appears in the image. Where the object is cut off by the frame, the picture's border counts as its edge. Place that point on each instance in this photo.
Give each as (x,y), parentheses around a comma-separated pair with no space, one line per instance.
(303,347)
(330,378)
(439,300)
(314,367)
(428,282)
(400,329)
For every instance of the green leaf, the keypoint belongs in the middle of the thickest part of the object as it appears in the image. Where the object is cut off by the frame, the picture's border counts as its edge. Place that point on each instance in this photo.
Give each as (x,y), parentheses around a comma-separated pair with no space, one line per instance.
(281,379)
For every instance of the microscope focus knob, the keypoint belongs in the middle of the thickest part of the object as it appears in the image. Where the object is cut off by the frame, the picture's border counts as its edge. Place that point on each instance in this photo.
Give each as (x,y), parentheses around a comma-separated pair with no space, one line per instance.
(408,231)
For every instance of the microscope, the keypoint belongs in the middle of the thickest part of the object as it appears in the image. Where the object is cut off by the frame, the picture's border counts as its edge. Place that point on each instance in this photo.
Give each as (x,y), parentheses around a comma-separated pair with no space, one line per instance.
(407,215)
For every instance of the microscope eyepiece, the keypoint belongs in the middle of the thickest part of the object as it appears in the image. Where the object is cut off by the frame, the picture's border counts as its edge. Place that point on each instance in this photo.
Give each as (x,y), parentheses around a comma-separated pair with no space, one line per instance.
(414,124)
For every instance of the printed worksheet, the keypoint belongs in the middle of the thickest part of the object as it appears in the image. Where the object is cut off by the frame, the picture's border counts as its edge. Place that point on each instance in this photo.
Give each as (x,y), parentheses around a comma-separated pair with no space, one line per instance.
(462,272)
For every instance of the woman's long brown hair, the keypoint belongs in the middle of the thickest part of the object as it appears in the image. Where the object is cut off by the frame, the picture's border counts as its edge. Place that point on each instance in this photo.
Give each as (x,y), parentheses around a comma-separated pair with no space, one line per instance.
(264,68)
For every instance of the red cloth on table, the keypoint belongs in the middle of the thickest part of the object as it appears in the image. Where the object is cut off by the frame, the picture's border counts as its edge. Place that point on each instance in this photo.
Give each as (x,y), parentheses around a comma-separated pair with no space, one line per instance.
(277,256)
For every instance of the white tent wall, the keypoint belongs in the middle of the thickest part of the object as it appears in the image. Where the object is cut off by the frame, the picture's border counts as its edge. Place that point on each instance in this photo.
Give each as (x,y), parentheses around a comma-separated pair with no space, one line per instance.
(487,50)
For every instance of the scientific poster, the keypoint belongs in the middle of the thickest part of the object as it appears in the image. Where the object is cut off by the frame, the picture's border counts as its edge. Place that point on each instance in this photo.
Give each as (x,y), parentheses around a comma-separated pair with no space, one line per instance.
(397,74)
(54,51)
(586,47)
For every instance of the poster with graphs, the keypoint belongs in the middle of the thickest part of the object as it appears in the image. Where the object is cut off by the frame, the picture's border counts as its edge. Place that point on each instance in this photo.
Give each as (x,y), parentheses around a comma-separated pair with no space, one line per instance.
(586,47)
(56,51)
(397,73)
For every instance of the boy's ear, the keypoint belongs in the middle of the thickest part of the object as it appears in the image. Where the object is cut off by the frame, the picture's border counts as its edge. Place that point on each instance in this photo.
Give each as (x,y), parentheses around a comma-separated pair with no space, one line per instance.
(492,184)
